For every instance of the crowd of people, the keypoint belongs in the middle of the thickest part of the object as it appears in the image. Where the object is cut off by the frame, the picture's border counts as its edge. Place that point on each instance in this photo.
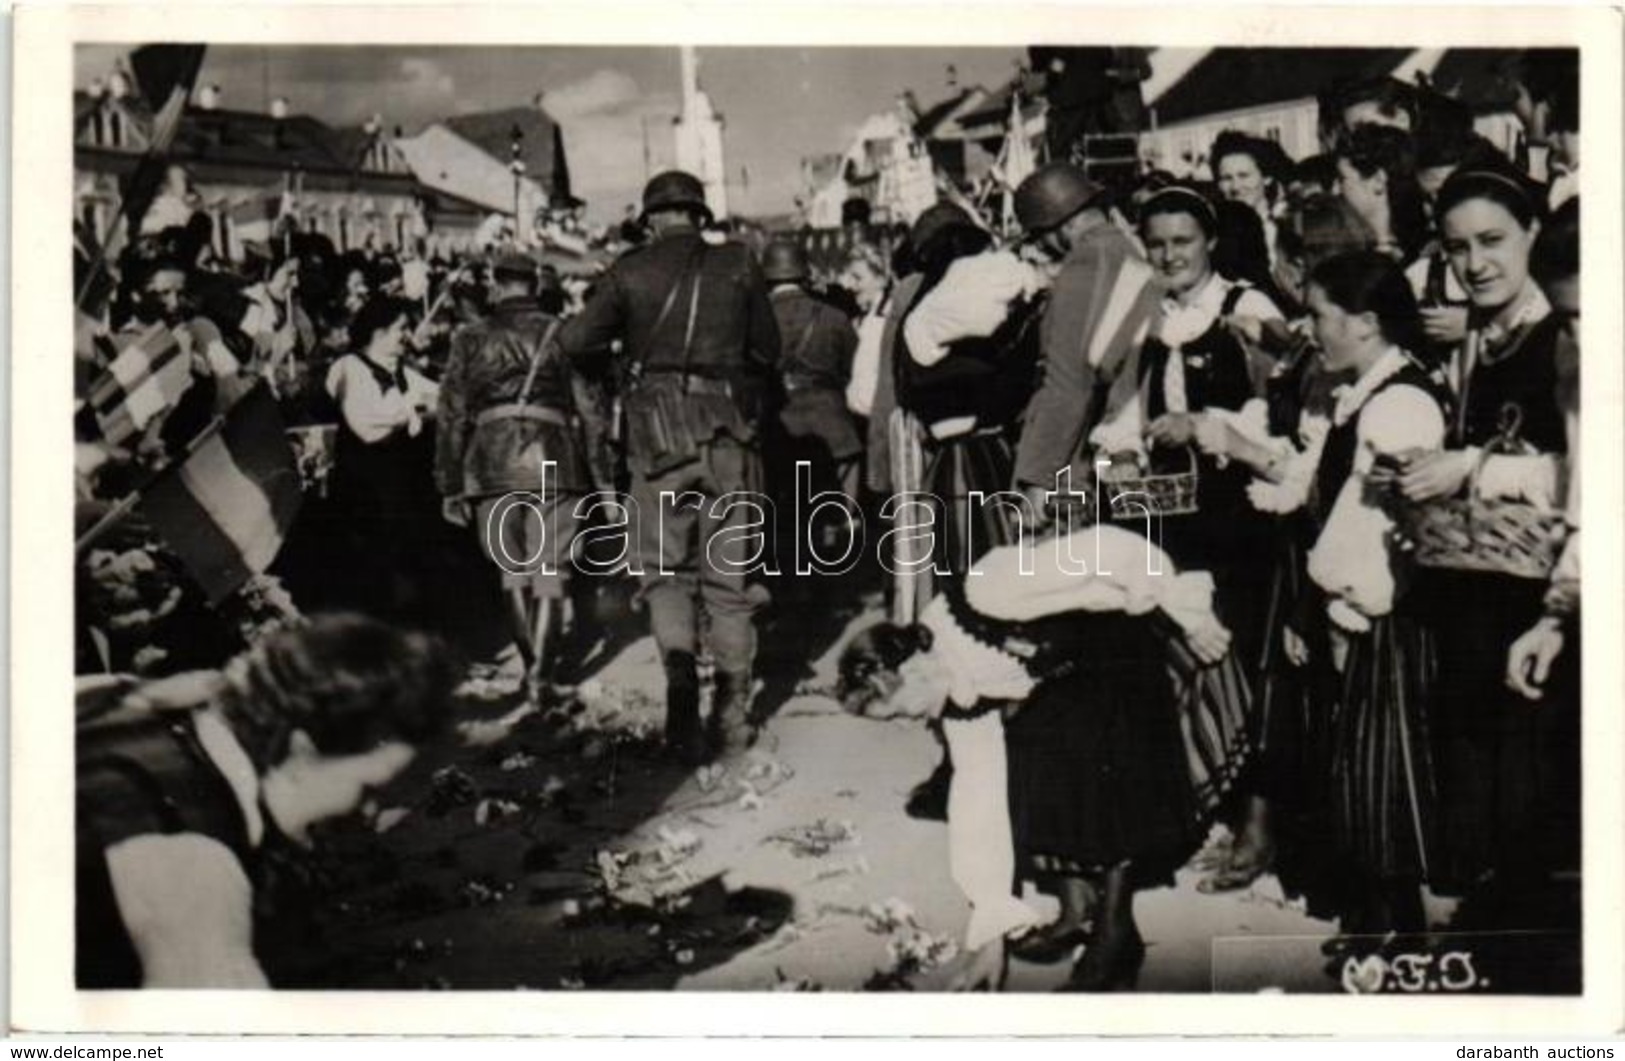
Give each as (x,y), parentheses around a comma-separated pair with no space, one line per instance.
(1337,399)
(1269,480)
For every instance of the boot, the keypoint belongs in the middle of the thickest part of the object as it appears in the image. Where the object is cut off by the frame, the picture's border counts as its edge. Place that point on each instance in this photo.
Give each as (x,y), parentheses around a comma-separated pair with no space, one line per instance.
(731,728)
(518,610)
(684,740)
(546,634)
(1112,959)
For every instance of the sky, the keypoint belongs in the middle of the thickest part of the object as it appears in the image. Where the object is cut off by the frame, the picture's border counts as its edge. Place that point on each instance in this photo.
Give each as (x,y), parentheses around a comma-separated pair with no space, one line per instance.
(779,104)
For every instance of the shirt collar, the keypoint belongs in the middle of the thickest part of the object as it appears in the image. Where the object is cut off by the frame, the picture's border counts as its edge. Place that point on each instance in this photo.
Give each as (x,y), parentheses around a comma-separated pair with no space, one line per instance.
(1209,297)
(1351,397)
(1532,308)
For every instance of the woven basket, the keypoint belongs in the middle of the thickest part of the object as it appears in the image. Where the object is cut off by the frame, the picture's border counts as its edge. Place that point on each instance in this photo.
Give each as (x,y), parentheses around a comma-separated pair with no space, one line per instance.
(1167,494)
(1475,534)
(1472,534)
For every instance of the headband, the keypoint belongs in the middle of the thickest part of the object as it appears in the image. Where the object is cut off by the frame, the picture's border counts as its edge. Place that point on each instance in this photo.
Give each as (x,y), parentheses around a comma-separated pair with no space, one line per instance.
(1188,193)
(1498,178)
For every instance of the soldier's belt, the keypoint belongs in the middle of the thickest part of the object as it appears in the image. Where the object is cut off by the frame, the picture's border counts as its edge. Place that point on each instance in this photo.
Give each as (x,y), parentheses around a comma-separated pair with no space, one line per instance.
(696,384)
(513,411)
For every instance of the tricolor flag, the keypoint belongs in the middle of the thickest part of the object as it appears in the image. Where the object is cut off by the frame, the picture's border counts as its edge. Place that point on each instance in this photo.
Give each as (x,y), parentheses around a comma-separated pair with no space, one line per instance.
(165,74)
(145,380)
(226,507)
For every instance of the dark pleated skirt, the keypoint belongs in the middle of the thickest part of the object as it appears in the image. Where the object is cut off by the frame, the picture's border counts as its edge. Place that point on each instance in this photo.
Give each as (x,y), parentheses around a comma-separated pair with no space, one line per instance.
(1381,791)
(1099,770)
(954,469)
(1509,769)
(1288,728)
(1214,708)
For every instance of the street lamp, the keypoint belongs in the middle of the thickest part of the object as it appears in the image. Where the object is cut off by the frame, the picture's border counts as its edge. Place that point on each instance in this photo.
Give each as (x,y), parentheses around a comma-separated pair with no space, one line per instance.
(518,167)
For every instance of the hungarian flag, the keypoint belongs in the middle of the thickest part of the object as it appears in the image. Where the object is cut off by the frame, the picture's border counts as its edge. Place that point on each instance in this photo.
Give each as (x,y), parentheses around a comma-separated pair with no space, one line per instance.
(165,73)
(147,377)
(226,507)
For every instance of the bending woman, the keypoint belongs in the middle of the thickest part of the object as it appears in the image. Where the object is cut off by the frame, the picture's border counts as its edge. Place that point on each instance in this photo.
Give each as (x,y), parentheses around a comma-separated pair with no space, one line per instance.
(1060,651)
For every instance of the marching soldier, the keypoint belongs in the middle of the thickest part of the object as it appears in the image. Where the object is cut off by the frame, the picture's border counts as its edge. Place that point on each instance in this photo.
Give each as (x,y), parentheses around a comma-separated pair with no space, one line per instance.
(816,363)
(698,334)
(509,459)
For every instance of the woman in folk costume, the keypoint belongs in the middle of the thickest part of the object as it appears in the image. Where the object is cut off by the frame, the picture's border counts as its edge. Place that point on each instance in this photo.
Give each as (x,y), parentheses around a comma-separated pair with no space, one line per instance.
(382,456)
(1201,365)
(1357,626)
(1556,265)
(1051,672)
(1509,771)
(964,363)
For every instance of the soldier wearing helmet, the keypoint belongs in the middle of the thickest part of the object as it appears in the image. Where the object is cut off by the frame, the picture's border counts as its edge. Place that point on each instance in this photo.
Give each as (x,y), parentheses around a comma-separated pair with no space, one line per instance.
(815,366)
(509,460)
(701,350)
(1100,304)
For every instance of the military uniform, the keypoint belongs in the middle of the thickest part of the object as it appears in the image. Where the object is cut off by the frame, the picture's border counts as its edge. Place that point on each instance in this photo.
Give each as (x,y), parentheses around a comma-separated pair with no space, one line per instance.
(701,348)
(818,345)
(501,420)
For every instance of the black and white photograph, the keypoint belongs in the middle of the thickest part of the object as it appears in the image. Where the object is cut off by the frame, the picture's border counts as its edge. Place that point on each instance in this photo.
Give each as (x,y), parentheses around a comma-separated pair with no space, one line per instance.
(1063,517)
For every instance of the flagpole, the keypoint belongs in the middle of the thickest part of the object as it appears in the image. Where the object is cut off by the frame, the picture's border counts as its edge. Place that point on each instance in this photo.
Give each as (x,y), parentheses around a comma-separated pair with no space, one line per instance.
(440,299)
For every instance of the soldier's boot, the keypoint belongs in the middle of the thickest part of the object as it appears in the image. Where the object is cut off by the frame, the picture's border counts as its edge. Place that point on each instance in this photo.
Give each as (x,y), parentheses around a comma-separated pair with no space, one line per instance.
(518,610)
(547,634)
(685,740)
(732,730)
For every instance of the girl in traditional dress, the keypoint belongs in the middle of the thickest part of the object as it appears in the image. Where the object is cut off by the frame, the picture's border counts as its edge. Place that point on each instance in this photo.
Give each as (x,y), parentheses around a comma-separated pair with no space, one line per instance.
(1509,771)
(1370,652)
(1060,649)
(383,455)
(1203,362)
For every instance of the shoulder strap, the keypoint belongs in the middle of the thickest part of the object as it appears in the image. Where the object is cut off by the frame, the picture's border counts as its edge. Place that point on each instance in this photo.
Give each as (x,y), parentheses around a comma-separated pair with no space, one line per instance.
(693,310)
(1436,291)
(536,358)
(690,267)
(1232,298)
(806,335)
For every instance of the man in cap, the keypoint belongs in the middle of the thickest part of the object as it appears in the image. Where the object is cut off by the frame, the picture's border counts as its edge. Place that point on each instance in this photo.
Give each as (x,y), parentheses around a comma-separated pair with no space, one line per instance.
(815,366)
(1101,303)
(701,347)
(509,459)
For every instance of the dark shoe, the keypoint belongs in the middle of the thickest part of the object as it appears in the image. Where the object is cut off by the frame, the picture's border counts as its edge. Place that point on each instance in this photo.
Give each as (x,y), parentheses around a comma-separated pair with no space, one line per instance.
(1111,962)
(685,741)
(928,802)
(732,731)
(1050,944)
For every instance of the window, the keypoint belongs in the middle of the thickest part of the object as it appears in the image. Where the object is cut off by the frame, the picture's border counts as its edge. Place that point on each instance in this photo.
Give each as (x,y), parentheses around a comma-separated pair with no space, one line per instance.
(115,128)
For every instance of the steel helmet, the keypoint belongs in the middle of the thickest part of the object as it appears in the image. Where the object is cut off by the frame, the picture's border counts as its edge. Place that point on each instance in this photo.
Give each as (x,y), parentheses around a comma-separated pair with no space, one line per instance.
(784,261)
(1052,194)
(675,190)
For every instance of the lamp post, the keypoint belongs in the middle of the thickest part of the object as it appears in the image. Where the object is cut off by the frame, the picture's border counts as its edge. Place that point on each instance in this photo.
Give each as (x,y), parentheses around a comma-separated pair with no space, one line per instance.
(518,167)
